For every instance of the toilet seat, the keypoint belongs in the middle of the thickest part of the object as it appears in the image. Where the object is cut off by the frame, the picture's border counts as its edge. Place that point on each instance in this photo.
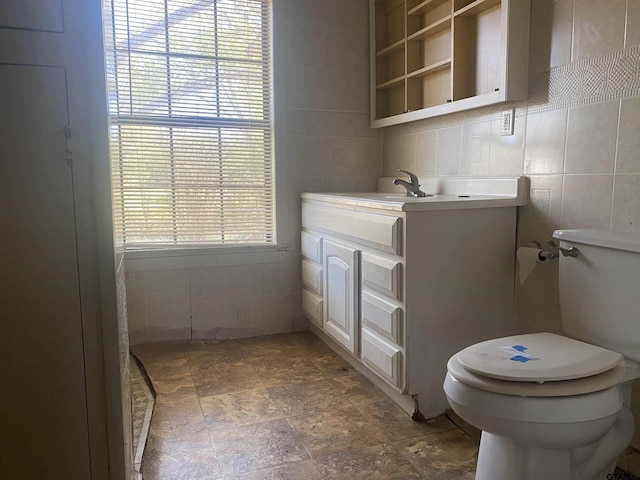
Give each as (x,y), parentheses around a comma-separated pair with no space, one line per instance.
(537,365)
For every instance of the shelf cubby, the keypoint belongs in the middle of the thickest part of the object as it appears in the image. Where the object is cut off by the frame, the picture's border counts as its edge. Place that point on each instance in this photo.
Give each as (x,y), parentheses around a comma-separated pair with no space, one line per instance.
(432,57)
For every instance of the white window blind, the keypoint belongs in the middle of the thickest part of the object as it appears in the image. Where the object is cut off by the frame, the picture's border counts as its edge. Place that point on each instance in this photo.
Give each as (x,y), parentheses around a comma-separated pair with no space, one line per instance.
(190,121)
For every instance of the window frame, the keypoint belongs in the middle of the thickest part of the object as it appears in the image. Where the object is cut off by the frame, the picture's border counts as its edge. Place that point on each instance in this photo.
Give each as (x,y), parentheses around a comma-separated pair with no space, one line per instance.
(193,250)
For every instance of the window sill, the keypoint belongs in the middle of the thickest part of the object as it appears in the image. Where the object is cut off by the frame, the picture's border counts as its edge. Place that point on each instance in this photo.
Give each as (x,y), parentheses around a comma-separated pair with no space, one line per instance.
(174,259)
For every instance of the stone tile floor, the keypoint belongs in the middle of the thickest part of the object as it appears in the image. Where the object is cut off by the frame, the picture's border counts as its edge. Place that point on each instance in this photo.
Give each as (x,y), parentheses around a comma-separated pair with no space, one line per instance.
(285,407)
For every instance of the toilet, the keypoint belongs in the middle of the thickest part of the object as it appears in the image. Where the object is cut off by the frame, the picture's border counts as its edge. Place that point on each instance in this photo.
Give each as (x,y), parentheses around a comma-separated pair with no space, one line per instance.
(553,406)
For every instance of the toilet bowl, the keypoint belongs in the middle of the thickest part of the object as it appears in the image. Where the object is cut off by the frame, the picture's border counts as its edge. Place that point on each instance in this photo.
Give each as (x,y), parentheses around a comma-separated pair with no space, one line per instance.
(563,418)
(550,406)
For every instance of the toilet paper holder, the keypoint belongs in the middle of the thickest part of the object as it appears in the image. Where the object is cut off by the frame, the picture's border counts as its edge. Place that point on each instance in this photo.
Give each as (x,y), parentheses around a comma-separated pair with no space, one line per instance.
(566,252)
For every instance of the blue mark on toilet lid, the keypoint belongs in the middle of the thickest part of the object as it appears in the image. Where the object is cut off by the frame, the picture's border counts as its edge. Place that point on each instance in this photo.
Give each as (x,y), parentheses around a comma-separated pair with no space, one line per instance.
(520,358)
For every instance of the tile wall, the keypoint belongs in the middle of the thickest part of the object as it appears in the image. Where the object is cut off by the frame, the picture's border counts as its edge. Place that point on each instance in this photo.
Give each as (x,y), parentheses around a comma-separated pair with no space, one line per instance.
(576,137)
(228,301)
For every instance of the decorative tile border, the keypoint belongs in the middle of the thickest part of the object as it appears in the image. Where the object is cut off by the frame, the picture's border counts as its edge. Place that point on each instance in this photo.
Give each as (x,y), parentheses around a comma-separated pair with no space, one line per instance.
(600,79)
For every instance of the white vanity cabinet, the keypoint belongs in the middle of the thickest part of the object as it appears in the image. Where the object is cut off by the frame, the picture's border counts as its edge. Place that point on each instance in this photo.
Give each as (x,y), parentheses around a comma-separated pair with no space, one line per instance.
(403,289)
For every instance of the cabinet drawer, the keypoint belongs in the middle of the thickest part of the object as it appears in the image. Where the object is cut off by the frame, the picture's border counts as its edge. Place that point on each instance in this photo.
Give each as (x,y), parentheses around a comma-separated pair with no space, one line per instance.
(382,275)
(312,276)
(382,232)
(383,317)
(311,246)
(383,358)
(312,306)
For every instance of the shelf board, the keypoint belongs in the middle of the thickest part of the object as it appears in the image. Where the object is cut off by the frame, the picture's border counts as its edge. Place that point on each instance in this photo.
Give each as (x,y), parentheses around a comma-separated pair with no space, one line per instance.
(389,84)
(424,7)
(433,29)
(391,49)
(476,7)
(429,69)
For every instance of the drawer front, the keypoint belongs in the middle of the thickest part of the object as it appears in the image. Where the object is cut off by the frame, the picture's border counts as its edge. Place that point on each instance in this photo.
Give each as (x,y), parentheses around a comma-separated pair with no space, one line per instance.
(383,232)
(312,306)
(311,246)
(382,316)
(382,275)
(382,358)
(312,276)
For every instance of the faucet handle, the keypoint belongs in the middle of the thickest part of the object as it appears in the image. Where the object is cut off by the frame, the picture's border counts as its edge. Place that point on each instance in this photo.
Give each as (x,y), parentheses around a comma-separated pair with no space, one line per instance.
(412,176)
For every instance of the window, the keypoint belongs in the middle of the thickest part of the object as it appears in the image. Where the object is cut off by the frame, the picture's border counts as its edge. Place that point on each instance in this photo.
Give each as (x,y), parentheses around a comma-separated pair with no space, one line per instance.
(189,84)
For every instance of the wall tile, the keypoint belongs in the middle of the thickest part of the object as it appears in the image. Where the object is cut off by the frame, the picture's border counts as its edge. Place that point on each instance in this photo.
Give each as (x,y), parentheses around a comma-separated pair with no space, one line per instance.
(340,48)
(306,88)
(337,184)
(633,24)
(166,281)
(426,149)
(338,157)
(134,282)
(399,153)
(591,138)
(308,154)
(168,310)
(243,280)
(551,34)
(208,310)
(244,313)
(136,312)
(598,27)
(627,157)
(339,89)
(207,297)
(448,151)
(476,148)
(362,100)
(586,201)
(507,152)
(306,51)
(276,278)
(306,12)
(209,280)
(625,215)
(545,142)
(367,157)
(339,14)
(276,313)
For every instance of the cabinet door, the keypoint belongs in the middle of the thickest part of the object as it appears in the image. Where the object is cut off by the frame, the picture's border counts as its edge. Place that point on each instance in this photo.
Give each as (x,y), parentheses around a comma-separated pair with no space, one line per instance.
(340,288)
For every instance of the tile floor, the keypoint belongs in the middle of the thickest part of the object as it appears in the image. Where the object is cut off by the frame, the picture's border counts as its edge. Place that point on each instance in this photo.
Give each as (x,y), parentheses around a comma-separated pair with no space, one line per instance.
(285,407)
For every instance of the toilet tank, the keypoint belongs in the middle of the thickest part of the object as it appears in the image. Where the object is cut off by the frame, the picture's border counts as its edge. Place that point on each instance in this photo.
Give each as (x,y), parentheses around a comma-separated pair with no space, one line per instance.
(600,289)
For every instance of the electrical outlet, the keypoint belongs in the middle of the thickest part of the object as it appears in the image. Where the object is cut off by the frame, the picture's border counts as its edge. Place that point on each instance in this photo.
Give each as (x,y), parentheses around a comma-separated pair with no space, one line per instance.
(507,122)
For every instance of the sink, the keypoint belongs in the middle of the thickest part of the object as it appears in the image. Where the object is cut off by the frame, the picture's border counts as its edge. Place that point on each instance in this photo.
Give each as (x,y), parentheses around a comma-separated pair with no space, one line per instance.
(444,193)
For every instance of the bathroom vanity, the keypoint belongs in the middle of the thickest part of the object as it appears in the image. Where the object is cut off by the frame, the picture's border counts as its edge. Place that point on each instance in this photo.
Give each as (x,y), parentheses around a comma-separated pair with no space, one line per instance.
(398,284)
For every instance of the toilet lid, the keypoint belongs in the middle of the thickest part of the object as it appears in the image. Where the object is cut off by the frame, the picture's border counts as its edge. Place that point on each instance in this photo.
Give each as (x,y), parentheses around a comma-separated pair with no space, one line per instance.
(538,357)
(560,388)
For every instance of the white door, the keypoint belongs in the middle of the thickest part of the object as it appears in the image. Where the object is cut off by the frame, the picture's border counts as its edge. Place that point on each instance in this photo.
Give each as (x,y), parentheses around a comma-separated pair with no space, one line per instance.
(341,293)
(43,387)
(43,405)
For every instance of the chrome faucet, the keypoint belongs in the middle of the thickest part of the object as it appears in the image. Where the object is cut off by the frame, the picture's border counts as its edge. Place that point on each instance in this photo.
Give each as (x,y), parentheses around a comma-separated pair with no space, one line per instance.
(413,188)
